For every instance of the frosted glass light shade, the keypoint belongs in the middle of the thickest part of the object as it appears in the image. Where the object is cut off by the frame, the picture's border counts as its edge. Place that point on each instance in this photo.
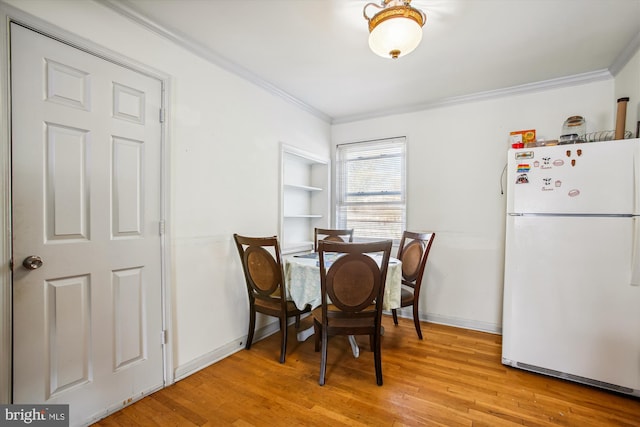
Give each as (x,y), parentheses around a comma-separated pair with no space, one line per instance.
(395,37)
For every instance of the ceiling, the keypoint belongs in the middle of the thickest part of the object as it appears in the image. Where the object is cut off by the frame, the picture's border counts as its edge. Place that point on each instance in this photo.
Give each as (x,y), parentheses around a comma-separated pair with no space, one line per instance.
(315,52)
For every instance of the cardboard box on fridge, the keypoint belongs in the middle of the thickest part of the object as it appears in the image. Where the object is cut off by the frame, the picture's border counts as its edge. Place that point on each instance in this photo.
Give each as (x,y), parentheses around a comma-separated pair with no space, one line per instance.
(525,136)
(522,138)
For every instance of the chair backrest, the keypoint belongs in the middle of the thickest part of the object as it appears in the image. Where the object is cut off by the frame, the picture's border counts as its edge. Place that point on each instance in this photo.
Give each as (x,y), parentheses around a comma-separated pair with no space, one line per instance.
(262,266)
(352,278)
(332,235)
(413,252)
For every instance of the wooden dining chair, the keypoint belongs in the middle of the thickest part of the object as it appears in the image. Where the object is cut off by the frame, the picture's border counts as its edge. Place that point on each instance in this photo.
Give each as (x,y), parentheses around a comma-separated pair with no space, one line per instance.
(262,267)
(332,235)
(413,252)
(352,289)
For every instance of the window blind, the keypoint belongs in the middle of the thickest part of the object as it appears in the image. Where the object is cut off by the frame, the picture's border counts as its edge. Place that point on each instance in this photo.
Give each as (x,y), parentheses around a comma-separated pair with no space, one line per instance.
(371,188)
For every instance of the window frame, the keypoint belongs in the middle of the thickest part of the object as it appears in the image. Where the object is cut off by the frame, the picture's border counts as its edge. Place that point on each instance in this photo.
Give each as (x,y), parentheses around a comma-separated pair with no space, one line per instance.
(342,159)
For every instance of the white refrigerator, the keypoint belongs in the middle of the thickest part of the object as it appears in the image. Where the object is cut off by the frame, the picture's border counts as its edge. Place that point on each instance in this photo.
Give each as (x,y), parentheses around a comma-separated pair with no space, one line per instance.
(572,263)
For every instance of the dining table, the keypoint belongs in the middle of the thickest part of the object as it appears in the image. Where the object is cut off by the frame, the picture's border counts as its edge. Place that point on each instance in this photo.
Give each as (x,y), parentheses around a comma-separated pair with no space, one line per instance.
(302,284)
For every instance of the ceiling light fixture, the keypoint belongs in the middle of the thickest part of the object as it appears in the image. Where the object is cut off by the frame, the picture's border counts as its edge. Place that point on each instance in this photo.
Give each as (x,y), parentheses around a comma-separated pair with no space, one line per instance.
(396,30)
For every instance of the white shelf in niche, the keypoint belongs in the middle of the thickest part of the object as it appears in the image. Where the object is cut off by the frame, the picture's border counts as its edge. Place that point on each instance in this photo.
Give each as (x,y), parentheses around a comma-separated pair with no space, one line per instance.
(302,216)
(302,187)
(297,248)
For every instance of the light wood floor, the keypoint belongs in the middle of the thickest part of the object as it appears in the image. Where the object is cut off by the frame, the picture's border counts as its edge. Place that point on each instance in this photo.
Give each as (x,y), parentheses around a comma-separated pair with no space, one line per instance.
(452,378)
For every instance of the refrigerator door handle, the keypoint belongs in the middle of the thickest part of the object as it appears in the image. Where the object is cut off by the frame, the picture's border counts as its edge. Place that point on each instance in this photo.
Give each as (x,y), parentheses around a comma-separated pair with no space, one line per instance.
(635,253)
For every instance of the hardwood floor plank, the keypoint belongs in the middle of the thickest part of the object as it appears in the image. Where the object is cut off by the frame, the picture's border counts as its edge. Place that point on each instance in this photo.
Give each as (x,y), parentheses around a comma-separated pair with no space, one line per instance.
(453,377)
(151,410)
(484,419)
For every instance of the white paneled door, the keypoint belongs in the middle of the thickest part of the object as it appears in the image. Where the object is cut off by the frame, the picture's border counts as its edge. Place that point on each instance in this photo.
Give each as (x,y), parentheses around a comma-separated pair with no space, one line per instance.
(87,296)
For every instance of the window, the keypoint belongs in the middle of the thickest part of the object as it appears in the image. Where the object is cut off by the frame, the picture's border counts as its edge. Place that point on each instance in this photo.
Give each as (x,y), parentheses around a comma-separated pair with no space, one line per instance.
(370,192)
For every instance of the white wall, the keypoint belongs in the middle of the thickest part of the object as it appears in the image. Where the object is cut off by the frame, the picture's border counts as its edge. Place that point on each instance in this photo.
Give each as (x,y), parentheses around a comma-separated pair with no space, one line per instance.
(628,85)
(224,135)
(456,155)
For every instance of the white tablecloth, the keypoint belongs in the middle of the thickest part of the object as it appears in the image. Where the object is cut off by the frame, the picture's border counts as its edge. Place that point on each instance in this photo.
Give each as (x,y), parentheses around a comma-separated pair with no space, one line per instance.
(302,281)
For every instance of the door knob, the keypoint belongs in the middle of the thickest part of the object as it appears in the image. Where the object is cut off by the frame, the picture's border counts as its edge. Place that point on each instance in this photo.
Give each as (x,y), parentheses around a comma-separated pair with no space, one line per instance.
(32,262)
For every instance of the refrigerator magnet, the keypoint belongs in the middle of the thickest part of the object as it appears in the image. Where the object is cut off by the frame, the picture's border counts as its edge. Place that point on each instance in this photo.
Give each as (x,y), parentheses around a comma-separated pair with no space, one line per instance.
(522,179)
(524,155)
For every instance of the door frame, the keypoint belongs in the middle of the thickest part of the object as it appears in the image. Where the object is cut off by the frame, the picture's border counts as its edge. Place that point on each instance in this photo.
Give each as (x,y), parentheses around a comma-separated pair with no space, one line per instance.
(9,14)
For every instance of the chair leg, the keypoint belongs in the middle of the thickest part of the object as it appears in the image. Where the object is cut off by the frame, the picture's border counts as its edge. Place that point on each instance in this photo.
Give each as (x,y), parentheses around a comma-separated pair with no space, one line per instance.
(416,319)
(316,334)
(377,357)
(252,325)
(297,321)
(395,315)
(283,333)
(323,360)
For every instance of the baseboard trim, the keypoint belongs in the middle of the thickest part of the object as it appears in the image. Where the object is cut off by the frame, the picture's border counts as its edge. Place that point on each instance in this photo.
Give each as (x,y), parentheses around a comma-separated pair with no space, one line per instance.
(475,325)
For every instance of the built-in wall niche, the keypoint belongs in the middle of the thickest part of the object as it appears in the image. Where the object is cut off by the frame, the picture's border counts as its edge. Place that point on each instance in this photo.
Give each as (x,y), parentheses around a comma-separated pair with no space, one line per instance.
(304,198)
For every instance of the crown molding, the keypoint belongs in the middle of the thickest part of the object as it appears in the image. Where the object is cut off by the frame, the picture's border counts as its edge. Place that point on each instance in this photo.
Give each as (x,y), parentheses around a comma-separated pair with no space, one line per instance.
(125,9)
(626,55)
(574,80)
